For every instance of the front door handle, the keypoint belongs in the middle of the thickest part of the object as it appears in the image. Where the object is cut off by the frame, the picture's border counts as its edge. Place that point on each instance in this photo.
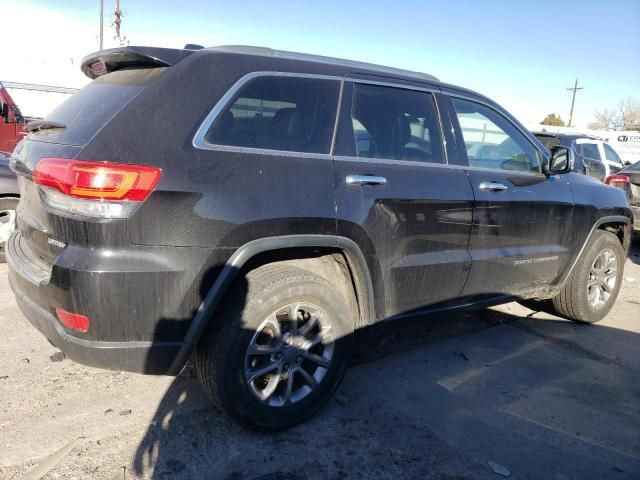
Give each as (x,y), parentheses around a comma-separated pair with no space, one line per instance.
(493,186)
(365,180)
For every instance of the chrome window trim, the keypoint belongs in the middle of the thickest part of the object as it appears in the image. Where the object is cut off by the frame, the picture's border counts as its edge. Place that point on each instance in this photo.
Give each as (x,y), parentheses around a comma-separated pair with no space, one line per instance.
(386,161)
(332,148)
(199,142)
(199,137)
(443,139)
(383,83)
(389,161)
(524,132)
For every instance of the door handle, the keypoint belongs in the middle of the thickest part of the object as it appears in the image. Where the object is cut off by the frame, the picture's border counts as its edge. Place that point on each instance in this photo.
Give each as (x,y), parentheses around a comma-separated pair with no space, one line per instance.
(493,186)
(365,180)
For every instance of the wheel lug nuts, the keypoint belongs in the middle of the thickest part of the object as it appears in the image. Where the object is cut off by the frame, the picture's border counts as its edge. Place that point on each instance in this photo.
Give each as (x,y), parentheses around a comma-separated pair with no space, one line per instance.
(286,366)
(299,359)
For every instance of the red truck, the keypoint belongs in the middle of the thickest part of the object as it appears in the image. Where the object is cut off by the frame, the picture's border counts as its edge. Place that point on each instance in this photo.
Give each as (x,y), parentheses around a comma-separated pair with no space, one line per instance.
(12,122)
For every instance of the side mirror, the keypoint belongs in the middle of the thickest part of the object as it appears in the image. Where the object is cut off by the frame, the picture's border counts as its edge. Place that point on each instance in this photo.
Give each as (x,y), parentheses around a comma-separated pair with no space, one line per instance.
(562,160)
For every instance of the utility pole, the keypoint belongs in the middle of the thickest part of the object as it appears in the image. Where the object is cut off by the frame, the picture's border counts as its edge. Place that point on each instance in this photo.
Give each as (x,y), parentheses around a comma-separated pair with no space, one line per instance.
(101,21)
(117,22)
(574,89)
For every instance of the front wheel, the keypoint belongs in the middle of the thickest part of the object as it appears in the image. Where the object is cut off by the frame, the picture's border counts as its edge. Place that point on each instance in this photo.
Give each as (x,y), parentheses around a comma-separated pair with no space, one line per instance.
(279,350)
(592,288)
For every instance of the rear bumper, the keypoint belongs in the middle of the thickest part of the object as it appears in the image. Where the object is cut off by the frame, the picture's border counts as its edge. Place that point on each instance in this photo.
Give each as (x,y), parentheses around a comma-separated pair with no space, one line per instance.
(140,356)
(140,301)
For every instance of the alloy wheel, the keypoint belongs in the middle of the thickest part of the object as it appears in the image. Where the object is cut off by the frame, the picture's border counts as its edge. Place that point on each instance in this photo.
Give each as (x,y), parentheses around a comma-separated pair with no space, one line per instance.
(289,354)
(602,278)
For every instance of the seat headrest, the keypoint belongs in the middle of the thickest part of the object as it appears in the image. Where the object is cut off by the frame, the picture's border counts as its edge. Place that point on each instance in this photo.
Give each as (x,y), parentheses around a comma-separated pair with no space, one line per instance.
(401,132)
(287,121)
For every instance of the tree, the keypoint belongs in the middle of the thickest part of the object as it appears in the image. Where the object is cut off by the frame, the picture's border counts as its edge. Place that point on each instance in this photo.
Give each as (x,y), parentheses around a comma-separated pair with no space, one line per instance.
(603,119)
(626,116)
(629,114)
(553,119)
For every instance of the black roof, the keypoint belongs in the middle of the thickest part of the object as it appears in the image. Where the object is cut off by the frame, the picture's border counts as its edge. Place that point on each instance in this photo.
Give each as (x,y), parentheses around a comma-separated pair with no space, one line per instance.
(137,56)
(307,57)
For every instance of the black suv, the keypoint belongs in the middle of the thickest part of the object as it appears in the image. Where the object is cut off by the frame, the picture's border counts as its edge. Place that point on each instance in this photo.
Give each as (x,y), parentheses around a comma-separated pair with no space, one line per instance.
(258,207)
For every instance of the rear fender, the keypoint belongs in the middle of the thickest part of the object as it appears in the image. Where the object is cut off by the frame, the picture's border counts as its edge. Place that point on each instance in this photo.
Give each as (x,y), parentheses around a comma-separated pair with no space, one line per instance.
(363,284)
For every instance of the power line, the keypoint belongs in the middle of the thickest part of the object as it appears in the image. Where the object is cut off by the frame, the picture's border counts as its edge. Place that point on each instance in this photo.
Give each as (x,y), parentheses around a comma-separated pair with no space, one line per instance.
(574,89)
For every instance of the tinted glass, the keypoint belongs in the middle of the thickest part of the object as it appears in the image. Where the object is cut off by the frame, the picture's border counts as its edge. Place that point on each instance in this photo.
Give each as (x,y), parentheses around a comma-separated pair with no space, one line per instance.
(492,141)
(86,112)
(395,124)
(279,113)
(611,154)
(590,150)
(548,141)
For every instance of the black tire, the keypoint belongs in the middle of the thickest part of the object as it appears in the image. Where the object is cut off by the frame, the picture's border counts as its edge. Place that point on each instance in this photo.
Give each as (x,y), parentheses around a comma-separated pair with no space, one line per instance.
(572,302)
(221,359)
(6,205)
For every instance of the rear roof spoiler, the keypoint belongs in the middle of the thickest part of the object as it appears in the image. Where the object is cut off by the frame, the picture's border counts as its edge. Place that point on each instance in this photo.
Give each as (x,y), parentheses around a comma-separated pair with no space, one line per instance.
(106,61)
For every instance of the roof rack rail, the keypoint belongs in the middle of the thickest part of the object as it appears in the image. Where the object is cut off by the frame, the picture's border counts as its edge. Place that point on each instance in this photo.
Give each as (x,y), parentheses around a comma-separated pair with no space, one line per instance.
(269,52)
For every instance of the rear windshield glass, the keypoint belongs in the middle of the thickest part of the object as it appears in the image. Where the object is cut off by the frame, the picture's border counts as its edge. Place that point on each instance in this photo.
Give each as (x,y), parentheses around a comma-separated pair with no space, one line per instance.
(85,113)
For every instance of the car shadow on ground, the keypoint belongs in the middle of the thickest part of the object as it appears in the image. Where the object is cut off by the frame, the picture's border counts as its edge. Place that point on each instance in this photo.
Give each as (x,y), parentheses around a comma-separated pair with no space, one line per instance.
(405,411)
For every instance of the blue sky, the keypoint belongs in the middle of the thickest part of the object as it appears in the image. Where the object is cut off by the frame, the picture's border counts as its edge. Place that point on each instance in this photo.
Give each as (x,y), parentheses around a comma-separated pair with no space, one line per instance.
(524,54)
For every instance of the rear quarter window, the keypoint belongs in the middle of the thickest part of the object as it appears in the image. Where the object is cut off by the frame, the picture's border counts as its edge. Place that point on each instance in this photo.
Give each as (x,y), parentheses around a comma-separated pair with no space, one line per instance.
(85,113)
(295,114)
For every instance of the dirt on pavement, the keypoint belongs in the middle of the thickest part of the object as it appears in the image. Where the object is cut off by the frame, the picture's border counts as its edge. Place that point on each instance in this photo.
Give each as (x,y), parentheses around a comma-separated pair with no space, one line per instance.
(506,390)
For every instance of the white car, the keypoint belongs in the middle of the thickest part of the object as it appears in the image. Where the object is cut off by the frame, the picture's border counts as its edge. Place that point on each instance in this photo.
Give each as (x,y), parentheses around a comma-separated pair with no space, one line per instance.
(596,149)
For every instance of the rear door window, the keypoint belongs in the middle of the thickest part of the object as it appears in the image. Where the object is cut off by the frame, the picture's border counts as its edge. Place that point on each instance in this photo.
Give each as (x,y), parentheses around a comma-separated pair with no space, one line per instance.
(396,124)
(611,154)
(295,114)
(590,150)
(492,141)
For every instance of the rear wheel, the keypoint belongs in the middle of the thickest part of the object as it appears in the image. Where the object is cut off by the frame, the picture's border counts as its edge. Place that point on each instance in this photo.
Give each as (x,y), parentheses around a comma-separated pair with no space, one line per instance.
(279,350)
(593,286)
(7,222)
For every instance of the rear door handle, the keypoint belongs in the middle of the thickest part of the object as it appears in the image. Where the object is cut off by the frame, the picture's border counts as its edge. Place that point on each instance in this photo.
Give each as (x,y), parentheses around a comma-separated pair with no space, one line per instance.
(365,180)
(493,186)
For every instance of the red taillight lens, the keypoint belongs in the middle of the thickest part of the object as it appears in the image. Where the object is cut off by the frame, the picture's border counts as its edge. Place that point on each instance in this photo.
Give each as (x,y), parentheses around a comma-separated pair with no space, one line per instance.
(619,181)
(98,68)
(73,321)
(97,180)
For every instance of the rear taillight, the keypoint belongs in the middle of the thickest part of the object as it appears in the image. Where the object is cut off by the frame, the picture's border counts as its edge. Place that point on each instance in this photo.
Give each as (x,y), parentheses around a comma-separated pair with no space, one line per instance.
(620,181)
(95,189)
(98,68)
(73,321)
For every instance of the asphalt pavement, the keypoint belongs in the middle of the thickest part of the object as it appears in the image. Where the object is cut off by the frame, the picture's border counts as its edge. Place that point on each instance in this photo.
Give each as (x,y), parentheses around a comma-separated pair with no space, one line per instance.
(506,391)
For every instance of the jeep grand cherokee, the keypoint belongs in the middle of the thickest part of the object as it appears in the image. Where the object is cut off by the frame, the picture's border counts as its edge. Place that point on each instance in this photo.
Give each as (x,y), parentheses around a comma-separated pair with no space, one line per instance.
(256,208)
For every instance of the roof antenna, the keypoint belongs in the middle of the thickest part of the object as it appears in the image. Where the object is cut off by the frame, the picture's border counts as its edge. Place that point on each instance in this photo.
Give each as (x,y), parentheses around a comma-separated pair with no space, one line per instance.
(192,46)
